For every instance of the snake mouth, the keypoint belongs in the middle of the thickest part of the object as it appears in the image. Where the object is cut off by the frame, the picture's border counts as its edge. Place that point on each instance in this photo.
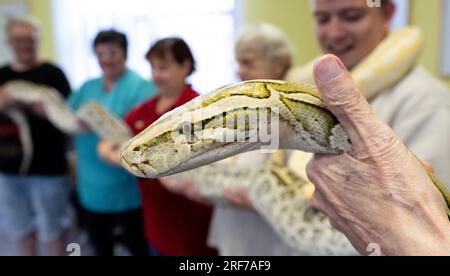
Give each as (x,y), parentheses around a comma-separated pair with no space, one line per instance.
(130,160)
(173,162)
(132,168)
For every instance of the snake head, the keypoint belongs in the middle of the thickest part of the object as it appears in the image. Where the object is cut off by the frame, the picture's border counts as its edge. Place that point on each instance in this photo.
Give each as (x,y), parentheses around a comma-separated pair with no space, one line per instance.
(231,120)
(208,129)
(182,141)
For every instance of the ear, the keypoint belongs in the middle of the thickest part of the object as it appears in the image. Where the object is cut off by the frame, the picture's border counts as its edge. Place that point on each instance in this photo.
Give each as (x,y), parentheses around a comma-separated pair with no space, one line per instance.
(187,66)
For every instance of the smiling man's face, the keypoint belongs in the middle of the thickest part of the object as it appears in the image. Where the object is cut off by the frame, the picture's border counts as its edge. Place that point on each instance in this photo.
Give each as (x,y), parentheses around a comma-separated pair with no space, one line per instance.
(350,29)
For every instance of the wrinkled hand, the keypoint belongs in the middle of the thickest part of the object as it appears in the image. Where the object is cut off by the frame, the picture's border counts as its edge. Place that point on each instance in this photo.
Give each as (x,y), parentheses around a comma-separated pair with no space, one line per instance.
(109,151)
(183,187)
(379,192)
(238,197)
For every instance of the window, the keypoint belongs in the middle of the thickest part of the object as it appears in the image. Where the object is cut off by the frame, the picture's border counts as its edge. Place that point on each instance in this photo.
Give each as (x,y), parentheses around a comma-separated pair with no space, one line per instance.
(207,26)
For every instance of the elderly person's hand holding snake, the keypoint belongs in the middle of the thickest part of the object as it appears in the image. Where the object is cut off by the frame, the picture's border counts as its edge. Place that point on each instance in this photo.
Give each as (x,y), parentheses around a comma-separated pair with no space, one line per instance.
(379,192)
(5,100)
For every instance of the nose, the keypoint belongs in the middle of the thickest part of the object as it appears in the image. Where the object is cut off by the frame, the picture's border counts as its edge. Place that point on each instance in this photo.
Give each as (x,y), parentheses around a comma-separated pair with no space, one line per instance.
(336,30)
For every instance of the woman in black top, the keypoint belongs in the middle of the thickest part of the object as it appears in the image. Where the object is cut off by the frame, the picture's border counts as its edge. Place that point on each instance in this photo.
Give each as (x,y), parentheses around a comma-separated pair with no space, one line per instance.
(33,199)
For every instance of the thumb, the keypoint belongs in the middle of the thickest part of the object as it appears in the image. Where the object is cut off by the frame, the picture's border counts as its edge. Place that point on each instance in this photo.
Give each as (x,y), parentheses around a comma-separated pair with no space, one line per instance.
(342,97)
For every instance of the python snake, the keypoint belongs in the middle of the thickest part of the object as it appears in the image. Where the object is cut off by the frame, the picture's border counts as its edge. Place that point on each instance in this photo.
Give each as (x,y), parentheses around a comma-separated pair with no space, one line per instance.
(91,116)
(277,199)
(304,121)
(196,134)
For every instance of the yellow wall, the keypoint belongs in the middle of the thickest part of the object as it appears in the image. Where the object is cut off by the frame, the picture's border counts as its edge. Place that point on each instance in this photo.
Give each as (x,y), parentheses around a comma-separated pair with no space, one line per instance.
(42,10)
(428,15)
(295,19)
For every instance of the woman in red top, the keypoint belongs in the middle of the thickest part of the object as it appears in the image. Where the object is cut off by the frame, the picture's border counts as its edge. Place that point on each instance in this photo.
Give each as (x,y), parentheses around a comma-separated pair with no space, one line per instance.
(174,225)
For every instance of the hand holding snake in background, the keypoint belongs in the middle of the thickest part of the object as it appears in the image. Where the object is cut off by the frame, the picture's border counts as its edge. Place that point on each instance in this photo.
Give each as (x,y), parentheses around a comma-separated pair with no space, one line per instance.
(5,100)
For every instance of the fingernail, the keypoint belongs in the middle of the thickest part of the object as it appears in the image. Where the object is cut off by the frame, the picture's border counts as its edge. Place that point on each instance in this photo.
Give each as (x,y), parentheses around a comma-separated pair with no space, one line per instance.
(329,68)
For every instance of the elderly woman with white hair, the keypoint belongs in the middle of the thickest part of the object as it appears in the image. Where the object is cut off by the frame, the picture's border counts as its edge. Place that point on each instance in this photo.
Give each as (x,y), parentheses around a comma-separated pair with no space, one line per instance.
(262,52)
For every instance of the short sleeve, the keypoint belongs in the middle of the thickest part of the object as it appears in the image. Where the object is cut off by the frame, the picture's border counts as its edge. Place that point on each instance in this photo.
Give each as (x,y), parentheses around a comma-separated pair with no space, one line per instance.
(75,99)
(145,91)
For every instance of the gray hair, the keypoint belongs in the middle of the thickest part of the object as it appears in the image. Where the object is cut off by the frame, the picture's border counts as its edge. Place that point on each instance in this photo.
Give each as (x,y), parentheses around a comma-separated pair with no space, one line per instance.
(271,41)
(24,20)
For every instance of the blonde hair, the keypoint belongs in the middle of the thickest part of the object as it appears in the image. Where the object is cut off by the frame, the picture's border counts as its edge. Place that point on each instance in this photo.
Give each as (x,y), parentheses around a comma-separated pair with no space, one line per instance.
(24,20)
(270,40)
